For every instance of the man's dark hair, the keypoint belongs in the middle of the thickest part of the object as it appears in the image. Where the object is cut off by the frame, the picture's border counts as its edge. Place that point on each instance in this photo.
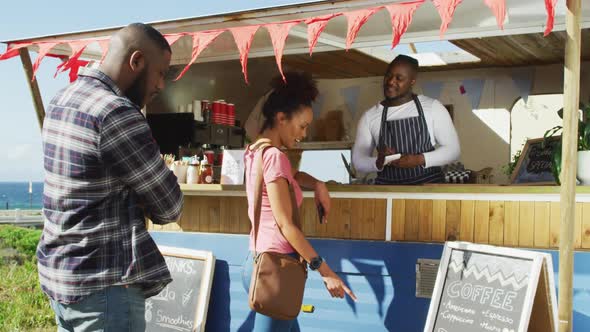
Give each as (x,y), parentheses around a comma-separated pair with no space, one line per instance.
(154,35)
(412,62)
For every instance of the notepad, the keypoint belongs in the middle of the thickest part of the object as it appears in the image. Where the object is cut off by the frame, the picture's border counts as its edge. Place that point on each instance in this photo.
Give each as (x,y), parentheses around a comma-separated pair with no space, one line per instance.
(391,158)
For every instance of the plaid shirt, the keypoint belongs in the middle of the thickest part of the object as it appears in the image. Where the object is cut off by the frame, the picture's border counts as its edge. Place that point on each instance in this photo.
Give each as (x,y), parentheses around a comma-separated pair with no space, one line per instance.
(103,171)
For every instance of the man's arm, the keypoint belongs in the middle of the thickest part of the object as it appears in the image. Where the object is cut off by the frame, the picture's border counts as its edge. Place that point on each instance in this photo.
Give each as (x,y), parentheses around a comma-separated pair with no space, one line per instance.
(129,150)
(362,151)
(448,148)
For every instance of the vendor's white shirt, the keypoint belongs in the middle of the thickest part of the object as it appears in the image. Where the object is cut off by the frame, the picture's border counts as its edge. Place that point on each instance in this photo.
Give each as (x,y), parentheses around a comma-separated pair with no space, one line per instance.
(440,127)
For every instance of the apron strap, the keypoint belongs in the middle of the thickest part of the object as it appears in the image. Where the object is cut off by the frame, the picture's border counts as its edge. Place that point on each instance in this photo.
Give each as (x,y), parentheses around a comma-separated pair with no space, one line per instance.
(420,109)
(381,143)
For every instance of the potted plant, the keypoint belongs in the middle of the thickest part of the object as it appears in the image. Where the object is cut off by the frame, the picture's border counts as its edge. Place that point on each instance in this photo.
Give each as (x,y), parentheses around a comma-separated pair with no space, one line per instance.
(583,173)
(509,168)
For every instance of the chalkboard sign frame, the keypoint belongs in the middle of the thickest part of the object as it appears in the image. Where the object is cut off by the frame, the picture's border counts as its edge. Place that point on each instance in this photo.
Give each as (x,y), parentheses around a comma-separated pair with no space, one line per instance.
(541,281)
(524,159)
(206,279)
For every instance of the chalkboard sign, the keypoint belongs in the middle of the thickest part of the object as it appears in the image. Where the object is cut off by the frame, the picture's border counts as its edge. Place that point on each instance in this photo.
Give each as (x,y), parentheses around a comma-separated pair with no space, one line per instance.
(535,162)
(182,305)
(487,288)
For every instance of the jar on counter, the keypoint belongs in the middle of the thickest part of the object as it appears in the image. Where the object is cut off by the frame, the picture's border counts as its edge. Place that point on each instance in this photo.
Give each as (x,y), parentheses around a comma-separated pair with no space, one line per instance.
(192,174)
(206,176)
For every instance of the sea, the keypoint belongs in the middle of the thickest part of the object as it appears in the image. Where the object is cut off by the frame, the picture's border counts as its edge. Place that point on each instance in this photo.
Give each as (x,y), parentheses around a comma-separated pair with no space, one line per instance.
(15,195)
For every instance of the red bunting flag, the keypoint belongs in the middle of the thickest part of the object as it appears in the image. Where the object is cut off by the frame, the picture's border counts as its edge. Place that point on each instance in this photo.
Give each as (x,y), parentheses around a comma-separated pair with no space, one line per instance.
(104,46)
(401,17)
(356,19)
(550,7)
(77,46)
(278,35)
(243,37)
(13,50)
(498,7)
(74,66)
(446,9)
(315,26)
(44,48)
(173,37)
(200,42)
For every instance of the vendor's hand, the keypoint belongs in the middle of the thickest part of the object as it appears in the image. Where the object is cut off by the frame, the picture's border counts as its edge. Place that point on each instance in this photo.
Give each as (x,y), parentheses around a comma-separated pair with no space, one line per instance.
(409,161)
(322,196)
(381,153)
(334,284)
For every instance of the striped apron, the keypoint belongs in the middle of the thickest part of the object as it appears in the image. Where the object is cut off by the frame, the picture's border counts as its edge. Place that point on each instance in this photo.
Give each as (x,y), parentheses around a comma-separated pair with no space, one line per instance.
(407,136)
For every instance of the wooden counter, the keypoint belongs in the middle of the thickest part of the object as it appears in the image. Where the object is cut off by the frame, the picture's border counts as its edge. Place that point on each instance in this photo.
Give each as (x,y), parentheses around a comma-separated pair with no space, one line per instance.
(516,216)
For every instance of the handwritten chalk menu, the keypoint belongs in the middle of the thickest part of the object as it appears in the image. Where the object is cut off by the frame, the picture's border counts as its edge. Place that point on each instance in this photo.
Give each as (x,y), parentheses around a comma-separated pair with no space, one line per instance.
(535,162)
(182,305)
(487,288)
(232,167)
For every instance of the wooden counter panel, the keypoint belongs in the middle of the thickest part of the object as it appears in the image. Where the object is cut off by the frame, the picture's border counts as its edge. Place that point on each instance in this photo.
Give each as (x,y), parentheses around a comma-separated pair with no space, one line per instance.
(496,236)
(453,220)
(362,219)
(439,220)
(213,215)
(541,227)
(578,225)
(397,224)
(481,222)
(425,219)
(502,223)
(511,220)
(524,224)
(203,189)
(586,226)
(411,228)
(466,229)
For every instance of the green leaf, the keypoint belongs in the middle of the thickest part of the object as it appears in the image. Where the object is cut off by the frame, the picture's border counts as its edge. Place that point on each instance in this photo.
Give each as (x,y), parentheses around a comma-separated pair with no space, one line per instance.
(552,132)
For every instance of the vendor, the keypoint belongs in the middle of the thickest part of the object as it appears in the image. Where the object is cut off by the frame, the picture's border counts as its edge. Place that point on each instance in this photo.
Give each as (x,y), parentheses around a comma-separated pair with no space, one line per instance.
(417,127)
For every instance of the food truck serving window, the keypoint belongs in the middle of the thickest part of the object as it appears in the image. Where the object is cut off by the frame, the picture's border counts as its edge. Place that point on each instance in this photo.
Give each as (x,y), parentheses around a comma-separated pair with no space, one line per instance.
(532,118)
(326,165)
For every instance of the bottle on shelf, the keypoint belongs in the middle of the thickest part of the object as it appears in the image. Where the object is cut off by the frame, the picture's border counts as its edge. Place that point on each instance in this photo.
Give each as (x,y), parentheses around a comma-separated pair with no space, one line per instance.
(206,176)
(192,173)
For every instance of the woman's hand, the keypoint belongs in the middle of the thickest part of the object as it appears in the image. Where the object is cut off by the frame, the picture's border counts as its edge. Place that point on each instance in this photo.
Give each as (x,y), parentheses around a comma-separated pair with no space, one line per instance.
(322,196)
(334,284)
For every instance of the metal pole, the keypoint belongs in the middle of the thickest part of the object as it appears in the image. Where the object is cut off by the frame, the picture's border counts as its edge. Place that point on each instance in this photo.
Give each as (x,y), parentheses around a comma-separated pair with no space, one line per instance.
(571,96)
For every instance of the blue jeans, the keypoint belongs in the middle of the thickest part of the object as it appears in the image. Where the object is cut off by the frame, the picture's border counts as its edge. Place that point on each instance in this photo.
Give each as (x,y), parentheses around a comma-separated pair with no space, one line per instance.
(115,308)
(264,323)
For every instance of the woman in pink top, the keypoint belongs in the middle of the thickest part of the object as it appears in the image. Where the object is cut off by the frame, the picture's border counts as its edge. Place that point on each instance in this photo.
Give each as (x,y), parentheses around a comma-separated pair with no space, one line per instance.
(287,115)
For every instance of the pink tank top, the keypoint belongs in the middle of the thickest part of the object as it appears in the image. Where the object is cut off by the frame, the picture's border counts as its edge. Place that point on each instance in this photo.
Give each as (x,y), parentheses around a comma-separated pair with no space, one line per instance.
(275,165)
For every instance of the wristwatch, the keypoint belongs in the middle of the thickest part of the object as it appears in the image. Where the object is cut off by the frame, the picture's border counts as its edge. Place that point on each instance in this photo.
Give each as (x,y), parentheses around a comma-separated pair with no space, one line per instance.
(315,263)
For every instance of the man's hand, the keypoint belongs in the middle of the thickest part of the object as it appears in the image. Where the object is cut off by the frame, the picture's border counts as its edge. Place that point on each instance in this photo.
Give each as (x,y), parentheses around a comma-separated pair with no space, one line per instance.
(381,153)
(409,161)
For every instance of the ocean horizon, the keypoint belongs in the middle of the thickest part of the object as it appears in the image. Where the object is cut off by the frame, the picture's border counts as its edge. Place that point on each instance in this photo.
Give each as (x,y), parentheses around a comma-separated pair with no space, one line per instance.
(15,195)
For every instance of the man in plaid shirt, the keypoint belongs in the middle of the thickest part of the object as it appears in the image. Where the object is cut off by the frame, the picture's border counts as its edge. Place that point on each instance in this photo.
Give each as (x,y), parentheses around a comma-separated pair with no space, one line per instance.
(103,176)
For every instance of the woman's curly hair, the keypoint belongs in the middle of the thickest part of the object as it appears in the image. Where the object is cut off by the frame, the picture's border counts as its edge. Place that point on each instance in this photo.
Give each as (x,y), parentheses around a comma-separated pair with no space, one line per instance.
(299,90)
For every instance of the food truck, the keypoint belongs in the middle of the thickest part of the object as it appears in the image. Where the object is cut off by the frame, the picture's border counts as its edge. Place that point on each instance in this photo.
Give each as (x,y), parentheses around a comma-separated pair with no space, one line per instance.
(485,62)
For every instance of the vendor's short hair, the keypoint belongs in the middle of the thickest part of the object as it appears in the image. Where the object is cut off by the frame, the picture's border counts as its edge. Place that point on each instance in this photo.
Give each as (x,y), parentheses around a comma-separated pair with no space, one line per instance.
(412,62)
